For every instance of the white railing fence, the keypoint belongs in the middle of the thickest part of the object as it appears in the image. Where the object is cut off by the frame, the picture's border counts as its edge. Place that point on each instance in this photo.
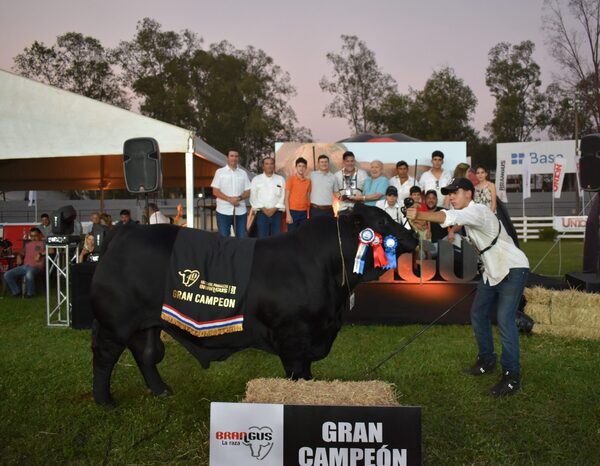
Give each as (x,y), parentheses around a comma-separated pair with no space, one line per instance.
(529,228)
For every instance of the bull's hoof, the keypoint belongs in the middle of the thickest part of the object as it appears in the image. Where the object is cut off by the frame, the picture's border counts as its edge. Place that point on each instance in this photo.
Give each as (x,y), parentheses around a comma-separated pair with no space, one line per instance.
(106,403)
(164,393)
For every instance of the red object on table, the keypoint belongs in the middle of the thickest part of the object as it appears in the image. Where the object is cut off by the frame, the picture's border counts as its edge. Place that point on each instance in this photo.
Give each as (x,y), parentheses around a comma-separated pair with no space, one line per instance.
(15,232)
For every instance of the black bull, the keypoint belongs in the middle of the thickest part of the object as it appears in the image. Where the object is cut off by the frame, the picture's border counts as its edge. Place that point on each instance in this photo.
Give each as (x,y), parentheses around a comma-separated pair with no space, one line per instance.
(294,303)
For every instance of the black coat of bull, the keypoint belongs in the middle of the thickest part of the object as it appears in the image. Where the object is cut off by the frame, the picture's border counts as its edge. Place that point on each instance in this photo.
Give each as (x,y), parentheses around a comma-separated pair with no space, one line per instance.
(294,303)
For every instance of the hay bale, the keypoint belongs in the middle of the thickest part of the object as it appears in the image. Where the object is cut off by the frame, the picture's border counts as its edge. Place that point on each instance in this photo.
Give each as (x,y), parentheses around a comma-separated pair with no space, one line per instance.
(538,305)
(316,392)
(569,313)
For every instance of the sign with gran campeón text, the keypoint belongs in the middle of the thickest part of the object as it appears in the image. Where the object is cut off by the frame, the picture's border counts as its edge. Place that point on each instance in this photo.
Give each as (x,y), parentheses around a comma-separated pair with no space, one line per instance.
(285,435)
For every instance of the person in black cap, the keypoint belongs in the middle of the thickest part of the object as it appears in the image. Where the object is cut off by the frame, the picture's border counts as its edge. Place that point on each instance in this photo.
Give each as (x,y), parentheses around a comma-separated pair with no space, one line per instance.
(504,275)
(391,205)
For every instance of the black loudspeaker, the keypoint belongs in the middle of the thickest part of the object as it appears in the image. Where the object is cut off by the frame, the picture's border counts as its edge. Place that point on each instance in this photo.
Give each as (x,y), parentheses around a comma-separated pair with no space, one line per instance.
(81,310)
(98,232)
(141,165)
(62,220)
(589,164)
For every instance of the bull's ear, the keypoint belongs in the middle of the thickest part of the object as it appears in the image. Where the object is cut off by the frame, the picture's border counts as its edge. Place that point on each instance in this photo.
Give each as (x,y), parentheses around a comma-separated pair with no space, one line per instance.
(358,217)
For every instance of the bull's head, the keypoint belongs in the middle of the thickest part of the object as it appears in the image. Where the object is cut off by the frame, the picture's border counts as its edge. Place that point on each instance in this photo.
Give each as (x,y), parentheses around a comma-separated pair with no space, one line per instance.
(379,221)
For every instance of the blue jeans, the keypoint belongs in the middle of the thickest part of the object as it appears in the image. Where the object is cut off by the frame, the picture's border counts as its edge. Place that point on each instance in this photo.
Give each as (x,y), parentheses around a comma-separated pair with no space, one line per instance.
(225,222)
(298,218)
(507,294)
(26,271)
(268,226)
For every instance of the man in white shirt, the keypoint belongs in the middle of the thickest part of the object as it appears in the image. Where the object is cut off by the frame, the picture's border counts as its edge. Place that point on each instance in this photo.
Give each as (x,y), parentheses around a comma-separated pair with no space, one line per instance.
(231,186)
(322,189)
(436,178)
(503,279)
(267,194)
(402,181)
(350,182)
(155,215)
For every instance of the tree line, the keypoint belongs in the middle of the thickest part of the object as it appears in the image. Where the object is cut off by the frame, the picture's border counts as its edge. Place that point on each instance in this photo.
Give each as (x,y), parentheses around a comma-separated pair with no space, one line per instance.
(240,98)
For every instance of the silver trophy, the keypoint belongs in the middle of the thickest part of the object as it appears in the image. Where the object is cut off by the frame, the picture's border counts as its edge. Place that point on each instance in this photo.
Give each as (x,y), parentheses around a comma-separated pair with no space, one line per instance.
(347,187)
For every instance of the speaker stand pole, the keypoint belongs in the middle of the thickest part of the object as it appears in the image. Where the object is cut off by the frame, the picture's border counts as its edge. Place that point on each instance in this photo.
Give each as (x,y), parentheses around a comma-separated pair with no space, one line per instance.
(146,209)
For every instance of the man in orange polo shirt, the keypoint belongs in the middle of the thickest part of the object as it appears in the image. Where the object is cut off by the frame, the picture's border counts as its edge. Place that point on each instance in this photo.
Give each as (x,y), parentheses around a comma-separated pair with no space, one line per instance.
(297,196)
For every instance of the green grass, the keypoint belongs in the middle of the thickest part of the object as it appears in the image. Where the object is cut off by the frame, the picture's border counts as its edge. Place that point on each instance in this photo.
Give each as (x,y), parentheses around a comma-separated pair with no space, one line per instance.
(563,257)
(48,417)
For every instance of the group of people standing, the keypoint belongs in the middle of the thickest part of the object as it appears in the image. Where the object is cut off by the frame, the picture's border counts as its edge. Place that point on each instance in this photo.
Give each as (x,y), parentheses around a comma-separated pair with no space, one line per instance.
(307,195)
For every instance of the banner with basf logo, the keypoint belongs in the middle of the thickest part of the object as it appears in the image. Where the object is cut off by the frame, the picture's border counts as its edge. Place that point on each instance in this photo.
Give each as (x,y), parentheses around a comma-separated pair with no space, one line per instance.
(540,156)
(287,435)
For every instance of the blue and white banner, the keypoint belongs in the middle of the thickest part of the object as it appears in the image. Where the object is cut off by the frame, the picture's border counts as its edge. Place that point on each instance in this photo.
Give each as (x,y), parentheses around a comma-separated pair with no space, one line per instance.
(513,159)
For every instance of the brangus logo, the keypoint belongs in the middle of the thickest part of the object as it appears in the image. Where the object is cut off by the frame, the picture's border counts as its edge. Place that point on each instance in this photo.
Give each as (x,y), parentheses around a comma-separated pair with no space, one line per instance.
(258,439)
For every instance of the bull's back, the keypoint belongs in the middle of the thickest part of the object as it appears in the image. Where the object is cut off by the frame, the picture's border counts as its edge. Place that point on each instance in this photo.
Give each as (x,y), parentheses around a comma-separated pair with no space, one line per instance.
(128,285)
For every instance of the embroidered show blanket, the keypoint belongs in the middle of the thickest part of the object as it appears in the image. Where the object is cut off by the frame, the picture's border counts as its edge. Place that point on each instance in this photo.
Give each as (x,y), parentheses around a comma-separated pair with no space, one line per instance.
(207,281)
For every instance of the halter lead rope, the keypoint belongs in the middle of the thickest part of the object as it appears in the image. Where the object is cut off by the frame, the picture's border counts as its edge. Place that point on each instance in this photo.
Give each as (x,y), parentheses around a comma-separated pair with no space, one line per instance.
(344,275)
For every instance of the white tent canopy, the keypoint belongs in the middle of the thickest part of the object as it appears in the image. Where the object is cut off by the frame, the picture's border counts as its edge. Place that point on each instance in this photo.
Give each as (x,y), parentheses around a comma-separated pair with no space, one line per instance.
(41,121)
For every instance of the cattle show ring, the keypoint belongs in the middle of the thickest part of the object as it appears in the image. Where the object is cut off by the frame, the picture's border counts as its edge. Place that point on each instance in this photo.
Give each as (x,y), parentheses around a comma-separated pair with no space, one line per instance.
(355,342)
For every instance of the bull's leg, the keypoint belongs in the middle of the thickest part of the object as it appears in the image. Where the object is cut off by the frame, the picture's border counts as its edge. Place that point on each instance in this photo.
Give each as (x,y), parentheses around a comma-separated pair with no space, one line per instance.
(296,368)
(106,354)
(293,342)
(148,350)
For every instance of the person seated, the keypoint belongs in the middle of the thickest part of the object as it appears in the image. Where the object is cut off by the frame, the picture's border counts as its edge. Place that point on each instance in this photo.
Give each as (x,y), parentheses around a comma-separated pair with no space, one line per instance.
(106,220)
(155,215)
(86,249)
(125,218)
(95,218)
(45,227)
(29,263)
(180,217)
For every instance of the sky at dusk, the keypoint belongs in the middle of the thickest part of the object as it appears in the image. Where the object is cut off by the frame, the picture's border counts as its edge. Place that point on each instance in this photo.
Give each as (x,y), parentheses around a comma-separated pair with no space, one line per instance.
(410,38)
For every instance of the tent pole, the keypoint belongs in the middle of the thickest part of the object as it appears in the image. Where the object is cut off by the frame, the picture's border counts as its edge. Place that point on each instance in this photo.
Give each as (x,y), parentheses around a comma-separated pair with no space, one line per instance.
(101,184)
(189,184)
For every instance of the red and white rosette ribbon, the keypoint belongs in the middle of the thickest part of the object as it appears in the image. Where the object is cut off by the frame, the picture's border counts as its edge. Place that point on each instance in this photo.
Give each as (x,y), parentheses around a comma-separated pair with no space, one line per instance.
(379,257)
(365,238)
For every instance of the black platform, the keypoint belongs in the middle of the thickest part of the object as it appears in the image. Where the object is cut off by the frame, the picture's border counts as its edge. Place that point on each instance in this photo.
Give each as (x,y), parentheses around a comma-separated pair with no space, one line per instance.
(584,281)
(81,275)
(395,303)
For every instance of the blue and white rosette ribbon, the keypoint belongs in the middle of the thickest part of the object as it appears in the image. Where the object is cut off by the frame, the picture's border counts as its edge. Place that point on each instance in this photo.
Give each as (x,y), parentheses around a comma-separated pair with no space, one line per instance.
(365,238)
(390,243)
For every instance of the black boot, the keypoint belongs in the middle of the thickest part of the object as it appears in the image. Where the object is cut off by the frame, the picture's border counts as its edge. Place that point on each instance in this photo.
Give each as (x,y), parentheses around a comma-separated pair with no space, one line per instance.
(509,384)
(481,367)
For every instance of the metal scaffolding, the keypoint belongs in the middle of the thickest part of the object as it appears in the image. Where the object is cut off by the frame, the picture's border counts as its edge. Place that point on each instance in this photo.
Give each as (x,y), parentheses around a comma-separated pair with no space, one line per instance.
(58,260)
